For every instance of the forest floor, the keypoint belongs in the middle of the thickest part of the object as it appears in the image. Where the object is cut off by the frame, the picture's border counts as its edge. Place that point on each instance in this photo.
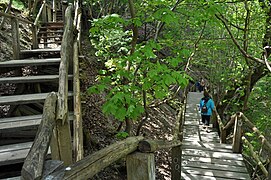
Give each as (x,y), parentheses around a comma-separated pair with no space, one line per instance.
(100,130)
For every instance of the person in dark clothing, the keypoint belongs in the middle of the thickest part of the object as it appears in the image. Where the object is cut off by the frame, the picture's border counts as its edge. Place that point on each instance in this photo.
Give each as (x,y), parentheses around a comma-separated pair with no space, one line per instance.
(206,106)
(200,85)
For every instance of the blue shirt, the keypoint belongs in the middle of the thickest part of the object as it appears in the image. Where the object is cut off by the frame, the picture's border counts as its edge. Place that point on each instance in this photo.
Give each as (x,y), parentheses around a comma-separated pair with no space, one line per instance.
(210,106)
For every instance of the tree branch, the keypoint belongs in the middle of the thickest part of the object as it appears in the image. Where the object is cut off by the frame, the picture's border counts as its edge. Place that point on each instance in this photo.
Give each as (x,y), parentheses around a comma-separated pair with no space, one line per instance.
(246,55)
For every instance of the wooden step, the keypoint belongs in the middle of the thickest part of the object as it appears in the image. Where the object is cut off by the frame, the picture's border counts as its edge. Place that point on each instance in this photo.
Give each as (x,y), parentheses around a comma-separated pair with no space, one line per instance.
(51,27)
(50,32)
(51,42)
(59,23)
(25,98)
(40,51)
(14,153)
(23,121)
(30,62)
(51,37)
(31,79)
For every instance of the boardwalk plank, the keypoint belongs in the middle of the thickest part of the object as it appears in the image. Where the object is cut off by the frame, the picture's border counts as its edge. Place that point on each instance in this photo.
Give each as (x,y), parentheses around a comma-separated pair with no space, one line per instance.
(215,173)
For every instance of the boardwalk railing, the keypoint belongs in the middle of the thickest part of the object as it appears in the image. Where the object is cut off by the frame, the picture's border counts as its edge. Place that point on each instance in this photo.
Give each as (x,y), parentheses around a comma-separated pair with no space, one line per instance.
(15,31)
(242,126)
(139,153)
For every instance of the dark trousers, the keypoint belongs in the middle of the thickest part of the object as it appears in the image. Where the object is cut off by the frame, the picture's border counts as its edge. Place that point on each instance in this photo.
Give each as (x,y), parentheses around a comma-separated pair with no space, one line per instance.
(205,119)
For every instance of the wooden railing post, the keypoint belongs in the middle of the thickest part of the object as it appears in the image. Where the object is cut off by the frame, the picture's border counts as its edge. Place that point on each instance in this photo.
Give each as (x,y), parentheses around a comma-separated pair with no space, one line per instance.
(15,38)
(61,144)
(140,166)
(176,152)
(237,135)
(34,37)
(269,167)
(34,162)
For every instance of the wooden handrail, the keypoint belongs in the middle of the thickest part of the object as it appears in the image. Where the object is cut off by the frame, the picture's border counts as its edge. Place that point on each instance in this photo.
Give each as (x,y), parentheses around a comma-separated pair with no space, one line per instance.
(39,14)
(34,162)
(255,129)
(61,141)
(12,16)
(255,156)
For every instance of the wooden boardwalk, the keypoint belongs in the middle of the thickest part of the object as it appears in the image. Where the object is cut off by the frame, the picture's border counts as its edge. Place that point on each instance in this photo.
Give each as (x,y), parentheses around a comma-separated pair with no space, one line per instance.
(203,157)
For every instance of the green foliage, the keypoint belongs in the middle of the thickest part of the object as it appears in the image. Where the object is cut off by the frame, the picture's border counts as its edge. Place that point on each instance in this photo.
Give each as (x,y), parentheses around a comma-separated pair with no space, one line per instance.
(147,72)
(17,4)
(122,135)
(259,105)
(108,37)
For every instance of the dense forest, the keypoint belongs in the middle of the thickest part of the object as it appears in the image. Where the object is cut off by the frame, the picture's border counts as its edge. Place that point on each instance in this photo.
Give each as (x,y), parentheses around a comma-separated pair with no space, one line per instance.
(146,53)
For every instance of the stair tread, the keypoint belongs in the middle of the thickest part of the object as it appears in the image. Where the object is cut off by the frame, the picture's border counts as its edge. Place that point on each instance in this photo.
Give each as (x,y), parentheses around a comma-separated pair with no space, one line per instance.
(25,98)
(31,79)
(40,50)
(33,62)
(23,121)
(14,153)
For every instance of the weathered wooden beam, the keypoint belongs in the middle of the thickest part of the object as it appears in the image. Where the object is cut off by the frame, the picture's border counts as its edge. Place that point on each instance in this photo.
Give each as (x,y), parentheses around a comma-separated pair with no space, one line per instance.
(15,38)
(94,163)
(77,123)
(39,13)
(18,18)
(33,164)
(256,130)
(154,145)
(176,151)
(255,156)
(237,135)
(61,144)
(140,166)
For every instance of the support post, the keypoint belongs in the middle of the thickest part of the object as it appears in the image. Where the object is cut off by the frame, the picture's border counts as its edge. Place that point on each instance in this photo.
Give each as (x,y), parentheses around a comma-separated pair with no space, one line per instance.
(34,37)
(140,166)
(223,135)
(15,38)
(237,135)
(176,154)
(269,169)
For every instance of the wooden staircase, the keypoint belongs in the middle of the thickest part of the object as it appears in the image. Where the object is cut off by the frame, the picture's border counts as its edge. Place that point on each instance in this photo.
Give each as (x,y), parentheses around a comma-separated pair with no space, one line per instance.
(24,103)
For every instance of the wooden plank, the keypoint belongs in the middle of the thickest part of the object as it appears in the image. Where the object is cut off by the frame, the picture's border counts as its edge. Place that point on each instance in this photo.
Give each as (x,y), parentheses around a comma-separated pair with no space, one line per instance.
(33,164)
(91,164)
(216,166)
(140,166)
(31,79)
(208,144)
(201,177)
(214,149)
(11,154)
(30,62)
(219,155)
(23,121)
(215,173)
(15,147)
(187,158)
(24,99)
(39,51)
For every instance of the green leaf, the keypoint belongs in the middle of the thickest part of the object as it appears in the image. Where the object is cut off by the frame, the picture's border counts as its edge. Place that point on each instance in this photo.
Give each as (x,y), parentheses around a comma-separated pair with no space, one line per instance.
(146,85)
(120,113)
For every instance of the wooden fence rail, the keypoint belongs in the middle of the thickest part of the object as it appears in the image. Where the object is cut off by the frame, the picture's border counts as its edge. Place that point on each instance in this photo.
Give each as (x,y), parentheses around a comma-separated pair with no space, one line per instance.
(239,121)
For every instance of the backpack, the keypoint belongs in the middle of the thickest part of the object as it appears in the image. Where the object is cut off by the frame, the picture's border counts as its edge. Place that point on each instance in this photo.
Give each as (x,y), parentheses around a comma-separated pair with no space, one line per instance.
(204,108)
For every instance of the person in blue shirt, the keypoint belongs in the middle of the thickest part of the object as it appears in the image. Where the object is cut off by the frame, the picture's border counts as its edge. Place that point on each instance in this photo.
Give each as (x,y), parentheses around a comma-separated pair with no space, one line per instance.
(206,116)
